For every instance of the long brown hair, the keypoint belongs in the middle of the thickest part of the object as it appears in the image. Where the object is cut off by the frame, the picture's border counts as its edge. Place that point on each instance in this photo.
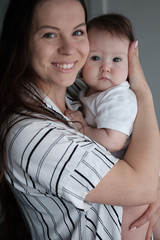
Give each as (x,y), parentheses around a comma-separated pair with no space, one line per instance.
(16,87)
(16,80)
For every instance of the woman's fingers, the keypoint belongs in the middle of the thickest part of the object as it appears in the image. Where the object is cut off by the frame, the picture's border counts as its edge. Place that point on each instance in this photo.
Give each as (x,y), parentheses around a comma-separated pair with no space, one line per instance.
(136,75)
(151,215)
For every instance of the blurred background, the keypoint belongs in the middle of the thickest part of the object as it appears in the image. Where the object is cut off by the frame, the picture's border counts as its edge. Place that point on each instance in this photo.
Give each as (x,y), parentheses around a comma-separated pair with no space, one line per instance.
(145,19)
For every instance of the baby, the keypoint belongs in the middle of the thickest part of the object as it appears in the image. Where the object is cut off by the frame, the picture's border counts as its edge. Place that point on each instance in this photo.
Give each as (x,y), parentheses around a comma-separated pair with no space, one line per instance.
(110,106)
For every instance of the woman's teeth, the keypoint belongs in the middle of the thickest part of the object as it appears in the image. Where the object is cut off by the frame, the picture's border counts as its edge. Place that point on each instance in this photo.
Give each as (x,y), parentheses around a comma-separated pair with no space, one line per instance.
(64,66)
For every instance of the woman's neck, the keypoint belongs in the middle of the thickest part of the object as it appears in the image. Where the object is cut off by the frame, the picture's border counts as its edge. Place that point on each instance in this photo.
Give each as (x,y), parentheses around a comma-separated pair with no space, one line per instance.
(57,96)
(59,101)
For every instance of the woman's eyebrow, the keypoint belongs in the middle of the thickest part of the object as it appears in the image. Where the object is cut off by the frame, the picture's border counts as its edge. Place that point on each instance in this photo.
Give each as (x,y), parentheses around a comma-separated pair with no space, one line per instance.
(58,29)
(47,26)
(80,25)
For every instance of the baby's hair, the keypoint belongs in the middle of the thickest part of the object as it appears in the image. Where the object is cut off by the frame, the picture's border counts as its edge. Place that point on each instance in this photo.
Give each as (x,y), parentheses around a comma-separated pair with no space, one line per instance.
(115,24)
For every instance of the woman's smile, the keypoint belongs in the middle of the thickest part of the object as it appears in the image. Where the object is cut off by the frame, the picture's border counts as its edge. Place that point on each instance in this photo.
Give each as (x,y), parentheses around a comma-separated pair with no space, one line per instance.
(64,67)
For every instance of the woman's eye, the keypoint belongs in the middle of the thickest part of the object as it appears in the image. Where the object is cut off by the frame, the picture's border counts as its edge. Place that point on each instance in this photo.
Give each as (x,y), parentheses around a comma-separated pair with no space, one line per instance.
(116,59)
(95,58)
(49,35)
(78,33)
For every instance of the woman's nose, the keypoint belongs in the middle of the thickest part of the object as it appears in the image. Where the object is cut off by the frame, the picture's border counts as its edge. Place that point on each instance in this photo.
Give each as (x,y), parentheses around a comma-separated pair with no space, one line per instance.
(66,47)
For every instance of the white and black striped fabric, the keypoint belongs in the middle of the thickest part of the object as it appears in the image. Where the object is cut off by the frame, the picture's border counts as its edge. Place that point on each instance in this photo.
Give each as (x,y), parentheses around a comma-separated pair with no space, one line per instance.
(51,168)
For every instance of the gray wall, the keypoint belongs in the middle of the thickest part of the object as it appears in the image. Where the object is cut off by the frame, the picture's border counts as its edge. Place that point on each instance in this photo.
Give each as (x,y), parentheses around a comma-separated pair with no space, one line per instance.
(145,18)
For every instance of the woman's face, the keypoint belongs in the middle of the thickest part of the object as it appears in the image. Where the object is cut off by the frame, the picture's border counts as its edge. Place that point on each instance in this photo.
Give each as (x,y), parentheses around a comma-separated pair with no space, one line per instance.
(59,43)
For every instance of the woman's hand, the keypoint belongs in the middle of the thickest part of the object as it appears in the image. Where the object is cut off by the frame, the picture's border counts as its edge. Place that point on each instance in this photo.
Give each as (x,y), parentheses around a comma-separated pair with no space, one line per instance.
(136,76)
(152,215)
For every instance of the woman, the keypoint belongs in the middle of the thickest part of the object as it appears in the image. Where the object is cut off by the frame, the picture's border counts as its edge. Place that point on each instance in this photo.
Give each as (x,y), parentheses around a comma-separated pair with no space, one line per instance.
(66,184)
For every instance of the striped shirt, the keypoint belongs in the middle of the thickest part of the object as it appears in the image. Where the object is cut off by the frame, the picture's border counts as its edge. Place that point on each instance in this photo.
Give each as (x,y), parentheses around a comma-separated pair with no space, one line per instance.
(51,168)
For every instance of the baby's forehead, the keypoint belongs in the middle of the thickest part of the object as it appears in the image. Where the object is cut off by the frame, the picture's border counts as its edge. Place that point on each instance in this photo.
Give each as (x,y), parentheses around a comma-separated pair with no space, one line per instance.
(108,32)
(108,45)
(98,36)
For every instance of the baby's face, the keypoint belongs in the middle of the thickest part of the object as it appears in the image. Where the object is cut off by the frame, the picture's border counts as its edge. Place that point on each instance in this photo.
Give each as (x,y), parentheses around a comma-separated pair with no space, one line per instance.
(107,63)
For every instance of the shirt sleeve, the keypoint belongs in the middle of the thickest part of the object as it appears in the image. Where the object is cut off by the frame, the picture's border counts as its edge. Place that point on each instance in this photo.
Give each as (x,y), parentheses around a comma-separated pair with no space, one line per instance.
(92,166)
(117,110)
(53,158)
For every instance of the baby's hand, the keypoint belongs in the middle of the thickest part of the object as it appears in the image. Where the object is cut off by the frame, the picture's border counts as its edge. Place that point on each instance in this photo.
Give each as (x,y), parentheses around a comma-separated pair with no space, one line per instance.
(77,118)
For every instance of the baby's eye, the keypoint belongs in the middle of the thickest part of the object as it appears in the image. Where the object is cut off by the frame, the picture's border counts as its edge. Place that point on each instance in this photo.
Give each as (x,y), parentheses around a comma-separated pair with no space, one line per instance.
(78,33)
(95,58)
(49,35)
(116,59)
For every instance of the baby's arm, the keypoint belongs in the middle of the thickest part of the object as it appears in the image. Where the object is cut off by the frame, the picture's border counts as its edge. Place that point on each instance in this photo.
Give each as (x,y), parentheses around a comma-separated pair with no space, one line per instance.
(111,139)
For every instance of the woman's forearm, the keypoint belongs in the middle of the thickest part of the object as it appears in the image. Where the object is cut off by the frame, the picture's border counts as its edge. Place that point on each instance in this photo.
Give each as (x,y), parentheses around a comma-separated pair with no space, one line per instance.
(143,154)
